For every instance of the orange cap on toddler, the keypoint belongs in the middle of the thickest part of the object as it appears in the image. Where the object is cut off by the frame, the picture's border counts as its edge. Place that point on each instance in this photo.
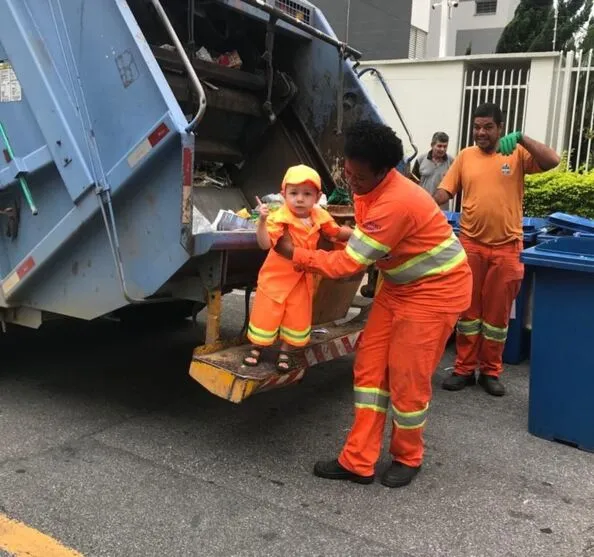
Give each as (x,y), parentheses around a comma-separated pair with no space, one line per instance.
(302,174)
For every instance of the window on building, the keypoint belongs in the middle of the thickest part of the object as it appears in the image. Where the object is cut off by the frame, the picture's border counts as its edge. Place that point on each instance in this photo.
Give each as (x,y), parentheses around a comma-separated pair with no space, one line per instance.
(417,45)
(486,7)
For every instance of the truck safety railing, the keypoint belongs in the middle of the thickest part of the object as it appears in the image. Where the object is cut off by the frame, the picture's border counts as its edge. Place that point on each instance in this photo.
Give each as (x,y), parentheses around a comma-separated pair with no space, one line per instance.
(378,74)
(283,16)
(187,65)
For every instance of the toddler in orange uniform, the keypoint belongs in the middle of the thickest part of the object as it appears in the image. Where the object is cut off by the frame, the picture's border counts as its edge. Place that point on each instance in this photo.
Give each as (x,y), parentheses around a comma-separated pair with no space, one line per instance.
(284,297)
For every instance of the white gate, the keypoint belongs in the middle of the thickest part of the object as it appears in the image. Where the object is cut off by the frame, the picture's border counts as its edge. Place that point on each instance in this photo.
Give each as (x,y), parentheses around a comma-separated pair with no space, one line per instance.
(501,83)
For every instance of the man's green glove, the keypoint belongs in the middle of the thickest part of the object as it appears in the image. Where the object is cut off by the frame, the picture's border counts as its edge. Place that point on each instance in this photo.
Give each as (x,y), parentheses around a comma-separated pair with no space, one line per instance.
(508,143)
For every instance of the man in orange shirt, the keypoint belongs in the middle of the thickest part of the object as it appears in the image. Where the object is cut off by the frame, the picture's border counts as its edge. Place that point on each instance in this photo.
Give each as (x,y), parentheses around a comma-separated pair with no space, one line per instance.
(427,284)
(490,177)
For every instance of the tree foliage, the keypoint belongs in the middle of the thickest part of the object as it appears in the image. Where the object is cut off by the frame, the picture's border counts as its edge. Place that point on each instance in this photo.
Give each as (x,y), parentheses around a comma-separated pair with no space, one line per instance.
(532,28)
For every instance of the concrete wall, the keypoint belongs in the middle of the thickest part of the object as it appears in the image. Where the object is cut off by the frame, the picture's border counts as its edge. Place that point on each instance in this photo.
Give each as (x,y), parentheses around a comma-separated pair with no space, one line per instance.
(428,94)
(379,29)
(464,18)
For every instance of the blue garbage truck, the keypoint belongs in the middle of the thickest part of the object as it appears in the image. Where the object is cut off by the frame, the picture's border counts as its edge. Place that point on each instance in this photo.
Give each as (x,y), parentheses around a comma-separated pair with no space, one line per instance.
(127,126)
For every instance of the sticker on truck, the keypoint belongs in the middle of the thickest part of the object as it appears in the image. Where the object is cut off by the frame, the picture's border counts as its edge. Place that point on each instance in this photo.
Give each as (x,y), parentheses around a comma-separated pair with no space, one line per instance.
(15,277)
(147,144)
(10,88)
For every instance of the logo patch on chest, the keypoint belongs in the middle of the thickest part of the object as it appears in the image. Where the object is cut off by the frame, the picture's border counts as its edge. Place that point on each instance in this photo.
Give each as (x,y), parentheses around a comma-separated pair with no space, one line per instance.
(371,226)
(505,169)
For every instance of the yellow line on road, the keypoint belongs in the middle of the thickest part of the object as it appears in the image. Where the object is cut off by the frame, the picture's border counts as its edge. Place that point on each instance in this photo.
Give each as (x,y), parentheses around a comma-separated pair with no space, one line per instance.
(21,540)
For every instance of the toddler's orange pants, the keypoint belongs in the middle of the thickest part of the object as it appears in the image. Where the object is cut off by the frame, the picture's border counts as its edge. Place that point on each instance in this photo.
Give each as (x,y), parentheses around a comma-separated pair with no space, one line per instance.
(289,321)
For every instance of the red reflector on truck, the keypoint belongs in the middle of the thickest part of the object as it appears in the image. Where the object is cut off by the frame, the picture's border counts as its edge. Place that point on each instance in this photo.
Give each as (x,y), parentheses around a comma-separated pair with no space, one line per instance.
(25,267)
(15,277)
(158,134)
(187,163)
(187,180)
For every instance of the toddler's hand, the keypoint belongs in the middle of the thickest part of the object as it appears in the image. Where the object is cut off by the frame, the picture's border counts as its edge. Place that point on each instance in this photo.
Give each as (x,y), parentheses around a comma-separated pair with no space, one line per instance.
(263,209)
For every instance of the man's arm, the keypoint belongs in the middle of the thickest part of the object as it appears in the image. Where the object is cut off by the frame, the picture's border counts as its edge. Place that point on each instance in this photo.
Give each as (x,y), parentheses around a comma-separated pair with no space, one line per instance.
(450,185)
(545,157)
(442,196)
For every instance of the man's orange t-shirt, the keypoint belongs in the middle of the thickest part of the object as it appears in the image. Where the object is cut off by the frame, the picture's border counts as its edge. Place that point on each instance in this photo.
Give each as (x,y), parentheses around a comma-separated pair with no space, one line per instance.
(492,188)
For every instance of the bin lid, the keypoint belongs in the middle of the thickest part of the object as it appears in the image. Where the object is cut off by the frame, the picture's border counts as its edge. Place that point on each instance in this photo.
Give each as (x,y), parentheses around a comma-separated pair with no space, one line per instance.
(533,223)
(568,252)
(532,226)
(572,222)
(530,236)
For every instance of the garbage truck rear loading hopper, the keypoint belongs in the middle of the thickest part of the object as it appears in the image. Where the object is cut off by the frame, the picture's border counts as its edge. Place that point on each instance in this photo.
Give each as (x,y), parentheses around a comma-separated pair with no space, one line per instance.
(126,126)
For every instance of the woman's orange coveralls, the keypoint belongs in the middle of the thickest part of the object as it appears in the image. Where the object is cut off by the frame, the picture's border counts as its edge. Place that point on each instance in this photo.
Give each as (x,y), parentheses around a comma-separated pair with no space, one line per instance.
(284,297)
(427,283)
(492,187)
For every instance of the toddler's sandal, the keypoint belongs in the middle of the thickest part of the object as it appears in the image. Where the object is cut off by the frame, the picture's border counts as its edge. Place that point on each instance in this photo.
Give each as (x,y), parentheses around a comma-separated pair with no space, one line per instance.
(284,363)
(254,355)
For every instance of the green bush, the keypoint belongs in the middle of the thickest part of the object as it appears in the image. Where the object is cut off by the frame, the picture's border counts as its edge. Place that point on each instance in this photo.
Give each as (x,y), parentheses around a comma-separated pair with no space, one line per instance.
(559,191)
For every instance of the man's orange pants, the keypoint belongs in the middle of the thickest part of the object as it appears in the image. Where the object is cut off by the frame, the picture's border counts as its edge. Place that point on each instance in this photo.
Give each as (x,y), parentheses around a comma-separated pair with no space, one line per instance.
(482,330)
(399,352)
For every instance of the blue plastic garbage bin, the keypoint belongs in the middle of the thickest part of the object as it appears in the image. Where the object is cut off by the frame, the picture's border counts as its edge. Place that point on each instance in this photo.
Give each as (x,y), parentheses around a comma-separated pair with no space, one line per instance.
(517,345)
(453,220)
(561,400)
(561,224)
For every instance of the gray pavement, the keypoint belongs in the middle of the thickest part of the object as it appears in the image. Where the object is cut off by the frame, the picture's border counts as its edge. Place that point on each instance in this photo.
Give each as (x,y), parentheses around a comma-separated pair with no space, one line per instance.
(110,447)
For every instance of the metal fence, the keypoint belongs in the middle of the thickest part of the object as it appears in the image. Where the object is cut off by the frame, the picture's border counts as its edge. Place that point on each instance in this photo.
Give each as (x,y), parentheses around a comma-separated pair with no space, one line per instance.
(573,109)
(571,114)
(549,95)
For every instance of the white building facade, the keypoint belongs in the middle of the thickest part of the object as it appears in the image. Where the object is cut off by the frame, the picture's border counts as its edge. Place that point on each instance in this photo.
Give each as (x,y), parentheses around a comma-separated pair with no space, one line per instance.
(474,26)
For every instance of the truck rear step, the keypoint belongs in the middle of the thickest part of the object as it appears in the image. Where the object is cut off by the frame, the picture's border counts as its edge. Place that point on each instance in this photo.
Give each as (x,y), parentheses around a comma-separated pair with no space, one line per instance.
(219,368)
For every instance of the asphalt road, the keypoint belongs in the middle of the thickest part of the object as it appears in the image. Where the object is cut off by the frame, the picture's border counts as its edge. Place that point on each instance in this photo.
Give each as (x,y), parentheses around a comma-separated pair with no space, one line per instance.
(111,448)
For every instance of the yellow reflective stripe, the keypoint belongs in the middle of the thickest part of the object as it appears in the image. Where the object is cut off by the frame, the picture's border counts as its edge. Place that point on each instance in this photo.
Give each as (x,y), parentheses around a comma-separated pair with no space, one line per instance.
(372,390)
(260,336)
(469,328)
(371,407)
(410,420)
(378,246)
(372,398)
(437,260)
(362,260)
(297,335)
(497,334)
(364,249)
(262,332)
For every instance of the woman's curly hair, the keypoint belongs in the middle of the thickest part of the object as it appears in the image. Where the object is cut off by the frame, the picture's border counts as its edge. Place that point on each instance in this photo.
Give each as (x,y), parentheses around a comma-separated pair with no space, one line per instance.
(373,143)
